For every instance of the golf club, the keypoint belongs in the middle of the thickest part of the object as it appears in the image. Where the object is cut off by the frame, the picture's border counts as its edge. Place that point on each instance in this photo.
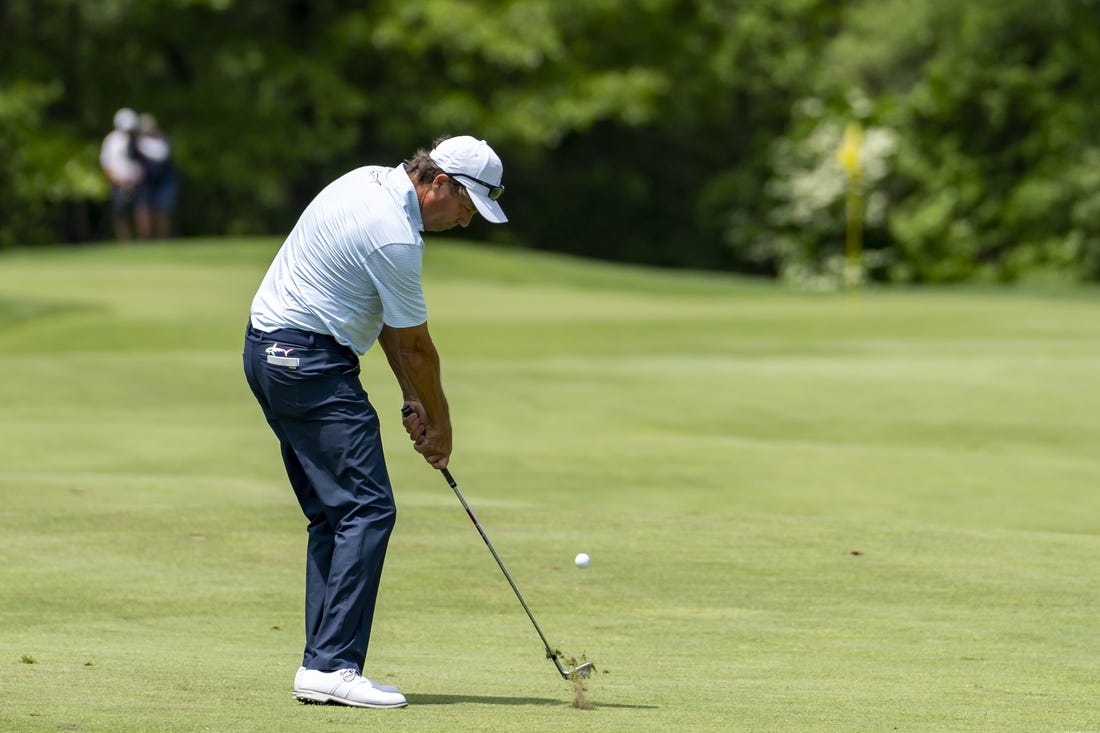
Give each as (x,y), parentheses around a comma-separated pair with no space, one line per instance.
(582,670)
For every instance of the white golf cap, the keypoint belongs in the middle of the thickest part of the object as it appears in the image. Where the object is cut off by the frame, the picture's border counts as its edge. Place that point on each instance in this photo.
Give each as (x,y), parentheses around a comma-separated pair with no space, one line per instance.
(474,164)
(126,119)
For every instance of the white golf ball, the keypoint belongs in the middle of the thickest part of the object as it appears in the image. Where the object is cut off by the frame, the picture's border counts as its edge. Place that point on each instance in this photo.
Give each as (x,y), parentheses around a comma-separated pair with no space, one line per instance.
(582,560)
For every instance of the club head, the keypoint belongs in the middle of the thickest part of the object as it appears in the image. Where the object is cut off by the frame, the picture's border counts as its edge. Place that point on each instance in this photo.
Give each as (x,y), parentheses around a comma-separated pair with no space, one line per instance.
(582,671)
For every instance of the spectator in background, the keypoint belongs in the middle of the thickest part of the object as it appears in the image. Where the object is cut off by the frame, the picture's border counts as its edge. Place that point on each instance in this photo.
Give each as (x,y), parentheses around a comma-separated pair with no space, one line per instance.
(156,194)
(118,160)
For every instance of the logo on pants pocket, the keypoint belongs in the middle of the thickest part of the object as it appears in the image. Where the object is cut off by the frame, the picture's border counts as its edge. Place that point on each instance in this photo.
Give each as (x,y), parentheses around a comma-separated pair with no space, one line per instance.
(280,356)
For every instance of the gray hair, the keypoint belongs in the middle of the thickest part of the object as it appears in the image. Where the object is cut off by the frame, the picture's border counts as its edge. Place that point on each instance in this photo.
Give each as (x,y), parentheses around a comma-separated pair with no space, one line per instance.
(422,169)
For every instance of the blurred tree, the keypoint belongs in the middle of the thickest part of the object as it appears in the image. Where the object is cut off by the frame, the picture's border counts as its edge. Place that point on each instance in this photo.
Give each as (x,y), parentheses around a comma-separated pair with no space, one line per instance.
(692,133)
(992,113)
(628,126)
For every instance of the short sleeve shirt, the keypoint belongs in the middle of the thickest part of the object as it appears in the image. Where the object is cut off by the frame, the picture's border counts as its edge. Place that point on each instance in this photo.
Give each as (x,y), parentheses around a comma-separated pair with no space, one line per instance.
(351,264)
(114,156)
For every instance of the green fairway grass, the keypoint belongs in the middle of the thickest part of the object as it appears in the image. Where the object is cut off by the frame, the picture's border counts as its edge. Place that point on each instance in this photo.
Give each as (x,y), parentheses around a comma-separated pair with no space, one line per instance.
(805,512)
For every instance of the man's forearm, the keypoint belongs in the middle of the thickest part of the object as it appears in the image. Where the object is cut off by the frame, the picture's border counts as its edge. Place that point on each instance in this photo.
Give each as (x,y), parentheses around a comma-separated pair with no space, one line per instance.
(415,364)
(421,364)
(391,346)
(422,370)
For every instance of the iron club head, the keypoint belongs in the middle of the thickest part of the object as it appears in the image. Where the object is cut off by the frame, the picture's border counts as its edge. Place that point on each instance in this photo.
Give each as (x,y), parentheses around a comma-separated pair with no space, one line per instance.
(581,671)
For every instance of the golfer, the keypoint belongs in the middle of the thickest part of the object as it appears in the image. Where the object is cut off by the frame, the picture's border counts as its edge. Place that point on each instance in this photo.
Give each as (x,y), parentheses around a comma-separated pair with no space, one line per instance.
(347,276)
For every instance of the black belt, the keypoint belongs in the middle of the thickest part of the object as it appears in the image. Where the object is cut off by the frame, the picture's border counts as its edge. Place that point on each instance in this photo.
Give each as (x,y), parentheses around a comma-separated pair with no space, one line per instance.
(298,337)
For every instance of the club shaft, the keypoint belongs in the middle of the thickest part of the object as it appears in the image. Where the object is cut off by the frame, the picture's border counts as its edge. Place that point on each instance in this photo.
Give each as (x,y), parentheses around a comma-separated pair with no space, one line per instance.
(550,653)
(496,556)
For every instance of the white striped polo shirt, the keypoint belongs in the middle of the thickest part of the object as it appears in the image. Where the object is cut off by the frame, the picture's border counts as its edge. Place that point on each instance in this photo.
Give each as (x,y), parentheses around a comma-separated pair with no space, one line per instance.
(352,262)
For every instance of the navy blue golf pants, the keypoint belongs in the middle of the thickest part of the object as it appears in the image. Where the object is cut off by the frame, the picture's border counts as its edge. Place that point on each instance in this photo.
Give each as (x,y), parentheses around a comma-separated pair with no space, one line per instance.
(308,386)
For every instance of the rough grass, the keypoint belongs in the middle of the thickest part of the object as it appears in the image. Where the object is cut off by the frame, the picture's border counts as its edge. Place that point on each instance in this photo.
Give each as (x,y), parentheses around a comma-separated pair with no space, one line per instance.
(805,512)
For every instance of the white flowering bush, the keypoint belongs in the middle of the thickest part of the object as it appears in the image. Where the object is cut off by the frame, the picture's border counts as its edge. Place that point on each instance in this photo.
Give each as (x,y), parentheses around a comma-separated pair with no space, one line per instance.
(808,192)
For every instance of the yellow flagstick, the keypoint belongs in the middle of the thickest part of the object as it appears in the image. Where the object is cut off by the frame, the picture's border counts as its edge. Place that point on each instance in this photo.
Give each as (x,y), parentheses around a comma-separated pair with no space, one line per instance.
(848,156)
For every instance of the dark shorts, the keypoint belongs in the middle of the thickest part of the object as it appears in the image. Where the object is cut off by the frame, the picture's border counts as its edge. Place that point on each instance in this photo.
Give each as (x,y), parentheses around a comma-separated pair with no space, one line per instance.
(159,194)
(122,200)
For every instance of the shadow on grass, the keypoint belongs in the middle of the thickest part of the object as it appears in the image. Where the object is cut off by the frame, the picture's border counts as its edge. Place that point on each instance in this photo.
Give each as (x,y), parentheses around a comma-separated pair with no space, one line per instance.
(415,699)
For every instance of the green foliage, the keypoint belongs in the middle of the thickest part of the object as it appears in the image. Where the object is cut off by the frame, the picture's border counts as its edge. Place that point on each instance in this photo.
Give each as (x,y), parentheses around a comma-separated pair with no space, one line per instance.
(608,113)
(42,164)
(994,116)
(689,133)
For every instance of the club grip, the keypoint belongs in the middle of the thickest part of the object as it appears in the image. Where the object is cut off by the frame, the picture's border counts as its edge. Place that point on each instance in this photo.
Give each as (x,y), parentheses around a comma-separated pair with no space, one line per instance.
(405,412)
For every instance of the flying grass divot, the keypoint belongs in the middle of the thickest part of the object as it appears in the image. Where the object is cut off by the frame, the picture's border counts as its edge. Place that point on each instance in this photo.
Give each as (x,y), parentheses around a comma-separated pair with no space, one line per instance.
(578,678)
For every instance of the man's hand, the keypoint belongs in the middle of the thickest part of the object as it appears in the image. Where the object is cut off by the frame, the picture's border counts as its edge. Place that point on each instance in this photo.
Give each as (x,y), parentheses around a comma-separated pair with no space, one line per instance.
(434,445)
(414,419)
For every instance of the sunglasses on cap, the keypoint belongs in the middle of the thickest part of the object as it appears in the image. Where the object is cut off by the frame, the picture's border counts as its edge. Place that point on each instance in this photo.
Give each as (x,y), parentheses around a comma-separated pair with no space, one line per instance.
(494,190)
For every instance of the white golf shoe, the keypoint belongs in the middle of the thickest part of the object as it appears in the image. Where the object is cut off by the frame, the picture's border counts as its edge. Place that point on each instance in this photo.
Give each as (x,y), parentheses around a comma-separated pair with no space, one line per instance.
(345,687)
(383,688)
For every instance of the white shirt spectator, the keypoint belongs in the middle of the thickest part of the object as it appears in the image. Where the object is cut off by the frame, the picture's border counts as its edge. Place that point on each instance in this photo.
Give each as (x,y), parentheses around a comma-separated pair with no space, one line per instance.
(154,147)
(114,155)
